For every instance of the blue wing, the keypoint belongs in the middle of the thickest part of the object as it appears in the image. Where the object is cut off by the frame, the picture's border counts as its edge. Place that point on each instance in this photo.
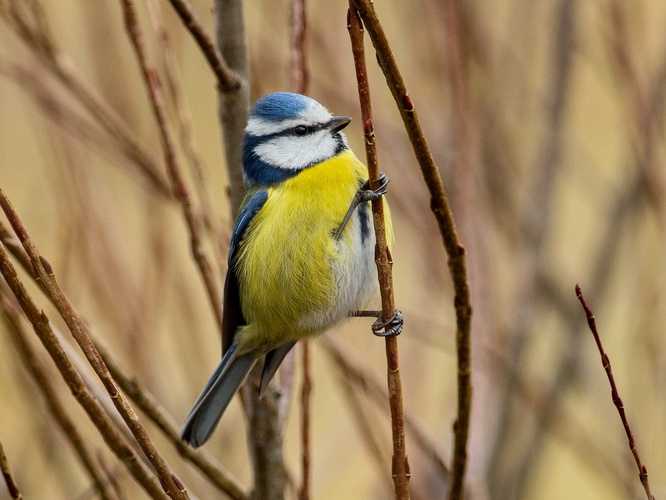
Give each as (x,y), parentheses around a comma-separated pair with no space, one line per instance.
(232,314)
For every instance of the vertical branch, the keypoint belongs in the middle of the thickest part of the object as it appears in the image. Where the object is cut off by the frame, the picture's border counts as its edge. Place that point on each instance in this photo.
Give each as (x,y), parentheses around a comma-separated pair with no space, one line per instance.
(454,248)
(300,79)
(234,103)
(8,475)
(400,464)
(617,401)
(265,432)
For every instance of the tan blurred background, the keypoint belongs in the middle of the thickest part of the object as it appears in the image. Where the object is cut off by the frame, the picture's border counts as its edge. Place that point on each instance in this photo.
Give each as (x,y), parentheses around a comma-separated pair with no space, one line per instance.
(547,121)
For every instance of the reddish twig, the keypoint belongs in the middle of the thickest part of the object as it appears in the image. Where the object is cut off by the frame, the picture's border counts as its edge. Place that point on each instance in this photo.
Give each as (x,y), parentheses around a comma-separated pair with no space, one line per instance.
(154,90)
(42,269)
(400,464)
(447,227)
(226,78)
(617,401)
(8,475)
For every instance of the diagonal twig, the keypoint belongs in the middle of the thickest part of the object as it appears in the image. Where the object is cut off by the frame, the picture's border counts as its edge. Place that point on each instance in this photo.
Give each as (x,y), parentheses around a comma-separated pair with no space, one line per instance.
(43,270)
(11,317)
(8,475)
(617,401)
(178,186)
(227,79)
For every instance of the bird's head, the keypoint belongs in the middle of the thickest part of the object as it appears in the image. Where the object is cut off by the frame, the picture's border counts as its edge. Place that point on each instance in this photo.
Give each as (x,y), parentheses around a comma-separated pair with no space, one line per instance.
(287,133)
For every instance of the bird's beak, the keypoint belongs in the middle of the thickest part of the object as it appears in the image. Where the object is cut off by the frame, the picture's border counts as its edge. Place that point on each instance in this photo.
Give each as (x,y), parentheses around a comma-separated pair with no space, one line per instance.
(337,123)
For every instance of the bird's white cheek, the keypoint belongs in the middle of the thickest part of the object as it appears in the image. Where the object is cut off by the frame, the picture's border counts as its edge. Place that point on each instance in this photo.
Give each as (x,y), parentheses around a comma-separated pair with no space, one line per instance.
(296,153)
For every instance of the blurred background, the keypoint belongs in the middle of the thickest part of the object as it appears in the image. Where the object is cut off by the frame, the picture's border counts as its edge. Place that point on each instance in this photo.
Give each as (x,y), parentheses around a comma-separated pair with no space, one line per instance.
(547,121)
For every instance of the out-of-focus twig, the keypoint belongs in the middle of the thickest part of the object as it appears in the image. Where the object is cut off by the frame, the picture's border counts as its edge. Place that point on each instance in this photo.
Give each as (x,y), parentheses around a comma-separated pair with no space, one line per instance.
(154,91)
(7,473)
(456,252)
(234,104)
(373,388)
(43,270)
(186,131)
(299,77)
(11,315)
(400,463)
(227,80)
(617,401)
(34,32)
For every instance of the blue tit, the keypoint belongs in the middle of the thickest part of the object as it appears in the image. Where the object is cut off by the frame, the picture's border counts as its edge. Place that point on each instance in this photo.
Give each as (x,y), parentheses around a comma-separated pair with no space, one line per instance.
(301,256)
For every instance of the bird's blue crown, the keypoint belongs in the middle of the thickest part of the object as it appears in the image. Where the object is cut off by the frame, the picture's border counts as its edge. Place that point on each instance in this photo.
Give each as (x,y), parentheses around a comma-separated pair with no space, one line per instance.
(280,106)
(286,133)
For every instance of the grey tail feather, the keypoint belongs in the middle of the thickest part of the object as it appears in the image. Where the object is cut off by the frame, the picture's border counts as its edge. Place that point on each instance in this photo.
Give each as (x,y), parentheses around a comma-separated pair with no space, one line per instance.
(215,397)
(272,363)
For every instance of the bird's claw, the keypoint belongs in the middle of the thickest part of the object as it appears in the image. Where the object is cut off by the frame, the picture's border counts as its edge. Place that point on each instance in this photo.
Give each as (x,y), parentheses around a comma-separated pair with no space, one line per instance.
(391,326)
(366,194)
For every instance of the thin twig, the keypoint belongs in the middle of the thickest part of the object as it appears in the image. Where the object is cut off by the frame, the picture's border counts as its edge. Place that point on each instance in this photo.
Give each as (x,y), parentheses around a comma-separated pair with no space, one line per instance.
(92,407)
(146,401)
(617,401)
(7,473)
(384,261)
(186,132)
(178,186)
(11,316)
(455,250)
(43,269)
(214,471)
(227,80)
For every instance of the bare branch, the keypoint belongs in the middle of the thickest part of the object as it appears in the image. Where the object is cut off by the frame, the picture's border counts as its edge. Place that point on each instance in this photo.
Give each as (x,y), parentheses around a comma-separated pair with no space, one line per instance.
(617,401)
(384,261)
(227,80)
(7,473)
(43,270)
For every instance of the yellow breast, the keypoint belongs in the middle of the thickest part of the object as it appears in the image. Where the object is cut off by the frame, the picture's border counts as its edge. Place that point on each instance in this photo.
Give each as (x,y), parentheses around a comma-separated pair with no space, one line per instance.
(287,260)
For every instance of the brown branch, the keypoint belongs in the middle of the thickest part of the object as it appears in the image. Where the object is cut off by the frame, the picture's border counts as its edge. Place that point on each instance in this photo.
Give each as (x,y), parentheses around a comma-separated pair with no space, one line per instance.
(617,401)
(178,186)
(227,79)
(8,475)
(215,472)
(454,249)
(186,132)
(11,316)
(92,407)
(384,261)
(43,270)
(143,399)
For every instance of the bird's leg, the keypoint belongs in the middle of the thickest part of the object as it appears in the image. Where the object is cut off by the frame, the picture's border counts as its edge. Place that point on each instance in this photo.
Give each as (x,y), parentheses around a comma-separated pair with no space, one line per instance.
(391,326)
(363,195)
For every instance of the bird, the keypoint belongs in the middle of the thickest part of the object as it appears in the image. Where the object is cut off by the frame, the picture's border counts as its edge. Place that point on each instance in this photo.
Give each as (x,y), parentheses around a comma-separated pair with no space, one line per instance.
(301,255)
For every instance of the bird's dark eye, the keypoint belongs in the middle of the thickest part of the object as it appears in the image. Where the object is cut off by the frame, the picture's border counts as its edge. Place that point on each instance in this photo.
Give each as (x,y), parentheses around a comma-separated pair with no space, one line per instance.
(300,130)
